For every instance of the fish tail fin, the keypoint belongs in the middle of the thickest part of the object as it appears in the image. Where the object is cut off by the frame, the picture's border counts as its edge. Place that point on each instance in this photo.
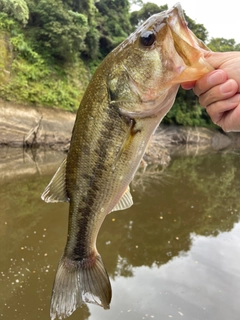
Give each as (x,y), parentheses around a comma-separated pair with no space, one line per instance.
(78,282)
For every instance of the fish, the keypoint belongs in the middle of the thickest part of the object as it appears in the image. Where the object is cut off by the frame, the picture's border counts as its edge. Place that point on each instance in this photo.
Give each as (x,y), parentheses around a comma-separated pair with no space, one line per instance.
(129,94)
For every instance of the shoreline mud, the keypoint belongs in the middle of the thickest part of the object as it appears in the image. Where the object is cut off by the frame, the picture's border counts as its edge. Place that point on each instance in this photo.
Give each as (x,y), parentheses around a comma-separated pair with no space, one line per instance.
(31,127)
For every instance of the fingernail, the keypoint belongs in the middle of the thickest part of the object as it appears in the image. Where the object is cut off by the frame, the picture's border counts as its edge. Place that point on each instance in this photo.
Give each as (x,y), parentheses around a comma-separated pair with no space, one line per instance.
(225,87)
(216,78)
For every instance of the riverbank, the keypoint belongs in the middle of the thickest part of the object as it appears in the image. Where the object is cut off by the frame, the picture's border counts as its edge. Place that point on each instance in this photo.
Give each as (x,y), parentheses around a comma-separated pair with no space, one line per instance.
(31,138)
(34,127)
(26,126)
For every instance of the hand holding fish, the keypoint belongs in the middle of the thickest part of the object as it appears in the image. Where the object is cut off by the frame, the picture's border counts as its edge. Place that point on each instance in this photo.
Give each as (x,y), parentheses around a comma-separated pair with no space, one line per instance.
(219,90)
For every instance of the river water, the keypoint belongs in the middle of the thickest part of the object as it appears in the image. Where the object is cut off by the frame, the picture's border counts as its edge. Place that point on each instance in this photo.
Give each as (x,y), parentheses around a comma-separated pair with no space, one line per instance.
(175,254)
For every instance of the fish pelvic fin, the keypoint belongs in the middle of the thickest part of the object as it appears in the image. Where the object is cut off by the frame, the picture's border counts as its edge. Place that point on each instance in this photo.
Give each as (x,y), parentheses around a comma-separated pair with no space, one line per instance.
(79,282)
(125,202)
(56,189)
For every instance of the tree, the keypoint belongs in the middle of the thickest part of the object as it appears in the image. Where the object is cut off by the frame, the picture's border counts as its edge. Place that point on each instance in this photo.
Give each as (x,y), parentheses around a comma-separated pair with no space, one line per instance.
(223,45)
(88,8)
(148,9)
(82,6)
(57,29)
(187,112)
(113,23)
(17,9)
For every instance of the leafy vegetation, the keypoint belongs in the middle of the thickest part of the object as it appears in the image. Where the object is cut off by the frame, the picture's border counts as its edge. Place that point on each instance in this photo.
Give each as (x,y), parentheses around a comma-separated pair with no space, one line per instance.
(37,77)
(50,48)
(223,45)
(16,9)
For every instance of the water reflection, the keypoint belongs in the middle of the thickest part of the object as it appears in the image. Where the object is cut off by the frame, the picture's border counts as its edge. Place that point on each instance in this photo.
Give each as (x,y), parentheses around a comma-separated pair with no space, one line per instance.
(200,284)
(174,254)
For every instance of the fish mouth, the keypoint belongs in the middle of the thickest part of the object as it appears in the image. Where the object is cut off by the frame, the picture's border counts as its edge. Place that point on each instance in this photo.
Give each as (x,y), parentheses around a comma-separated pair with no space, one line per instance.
(180,30)
(187,45)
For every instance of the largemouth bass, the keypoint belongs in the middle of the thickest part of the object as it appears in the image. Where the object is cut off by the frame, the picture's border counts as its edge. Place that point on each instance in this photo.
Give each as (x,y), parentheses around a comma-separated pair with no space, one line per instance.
(129,94)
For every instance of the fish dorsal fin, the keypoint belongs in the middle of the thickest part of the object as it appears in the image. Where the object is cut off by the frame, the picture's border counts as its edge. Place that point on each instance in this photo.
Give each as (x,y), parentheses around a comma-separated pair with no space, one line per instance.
(125,202)
(56,189)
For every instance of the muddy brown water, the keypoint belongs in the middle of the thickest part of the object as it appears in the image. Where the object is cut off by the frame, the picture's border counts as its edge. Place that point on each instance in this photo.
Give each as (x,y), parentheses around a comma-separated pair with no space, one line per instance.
(175,254)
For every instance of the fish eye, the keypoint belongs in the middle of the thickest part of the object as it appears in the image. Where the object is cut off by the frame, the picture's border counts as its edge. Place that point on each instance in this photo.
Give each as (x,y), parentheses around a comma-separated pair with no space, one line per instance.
(147,38)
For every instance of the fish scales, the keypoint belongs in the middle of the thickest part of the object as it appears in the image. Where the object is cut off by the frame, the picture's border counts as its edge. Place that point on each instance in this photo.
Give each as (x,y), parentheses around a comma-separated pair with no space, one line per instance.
(129,94)
(90,196)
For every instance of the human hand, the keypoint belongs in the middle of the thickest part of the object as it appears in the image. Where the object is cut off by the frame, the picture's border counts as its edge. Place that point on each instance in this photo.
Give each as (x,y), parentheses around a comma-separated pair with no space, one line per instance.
(219,90)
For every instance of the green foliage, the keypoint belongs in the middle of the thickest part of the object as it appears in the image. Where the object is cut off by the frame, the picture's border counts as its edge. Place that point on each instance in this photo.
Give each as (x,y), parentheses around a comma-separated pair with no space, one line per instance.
(89,10)
(35,79)
(56,29)
(148,9)
(17,9)
(23,48)
(92,43)
(187,112)
(223,45)
(47,85)
(113,23)
(7,23)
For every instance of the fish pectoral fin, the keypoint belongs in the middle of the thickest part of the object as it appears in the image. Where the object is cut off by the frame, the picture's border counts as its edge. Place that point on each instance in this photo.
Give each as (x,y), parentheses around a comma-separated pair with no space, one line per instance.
(125,202)
(129,135)
(56,189)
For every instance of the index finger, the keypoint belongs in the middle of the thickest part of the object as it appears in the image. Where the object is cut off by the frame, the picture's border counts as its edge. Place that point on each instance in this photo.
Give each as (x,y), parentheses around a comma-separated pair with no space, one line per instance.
(209,81)
(188,85)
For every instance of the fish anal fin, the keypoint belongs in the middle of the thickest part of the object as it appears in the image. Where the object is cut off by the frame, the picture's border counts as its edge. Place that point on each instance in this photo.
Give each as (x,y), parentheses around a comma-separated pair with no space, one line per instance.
(125,202)
(78,282)
(56,189)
